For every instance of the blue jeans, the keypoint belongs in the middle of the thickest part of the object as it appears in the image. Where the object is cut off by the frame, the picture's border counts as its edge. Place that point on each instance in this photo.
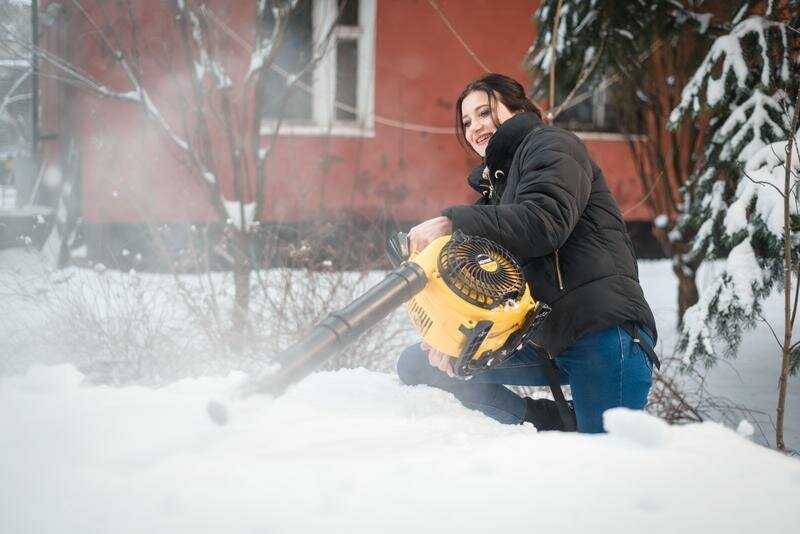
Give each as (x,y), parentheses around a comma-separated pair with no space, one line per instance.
(604,369)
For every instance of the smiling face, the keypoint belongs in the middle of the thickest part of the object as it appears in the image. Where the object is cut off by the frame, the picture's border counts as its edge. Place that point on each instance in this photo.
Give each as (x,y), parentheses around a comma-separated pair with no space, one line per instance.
(480,118)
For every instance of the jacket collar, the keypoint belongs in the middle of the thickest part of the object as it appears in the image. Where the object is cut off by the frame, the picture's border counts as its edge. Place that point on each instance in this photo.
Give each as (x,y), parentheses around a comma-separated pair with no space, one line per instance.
(505,141)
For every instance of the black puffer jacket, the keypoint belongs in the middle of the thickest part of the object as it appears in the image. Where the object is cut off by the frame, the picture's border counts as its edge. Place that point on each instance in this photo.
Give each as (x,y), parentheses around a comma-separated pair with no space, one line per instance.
(547,202)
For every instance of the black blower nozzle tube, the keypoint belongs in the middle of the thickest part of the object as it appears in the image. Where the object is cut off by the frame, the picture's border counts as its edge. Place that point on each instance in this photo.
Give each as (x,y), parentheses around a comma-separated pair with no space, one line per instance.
(343,327)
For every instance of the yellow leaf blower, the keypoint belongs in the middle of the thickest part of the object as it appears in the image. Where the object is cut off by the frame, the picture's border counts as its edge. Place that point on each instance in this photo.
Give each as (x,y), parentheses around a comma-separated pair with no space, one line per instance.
(465,295)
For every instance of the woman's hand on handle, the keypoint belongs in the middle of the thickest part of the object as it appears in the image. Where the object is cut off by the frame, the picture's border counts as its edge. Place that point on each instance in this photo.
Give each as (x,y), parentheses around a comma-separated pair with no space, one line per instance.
(422,234)
(439,359)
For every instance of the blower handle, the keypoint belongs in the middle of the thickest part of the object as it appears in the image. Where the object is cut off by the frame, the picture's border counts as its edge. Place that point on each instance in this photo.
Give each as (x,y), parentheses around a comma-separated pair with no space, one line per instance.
(398,249)
(343,327)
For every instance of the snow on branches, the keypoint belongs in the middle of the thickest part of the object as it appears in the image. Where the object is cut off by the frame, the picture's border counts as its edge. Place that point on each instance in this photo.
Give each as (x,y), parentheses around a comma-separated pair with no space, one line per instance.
(725,308)
(759,118)
(744,88)
(756,47)
(751,126)
(266,42)
(613,37)
(205,63)
(731,303)
(759,198)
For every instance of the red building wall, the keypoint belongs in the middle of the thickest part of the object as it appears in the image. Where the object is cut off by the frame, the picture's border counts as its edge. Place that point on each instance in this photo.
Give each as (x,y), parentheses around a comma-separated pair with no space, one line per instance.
(131,174)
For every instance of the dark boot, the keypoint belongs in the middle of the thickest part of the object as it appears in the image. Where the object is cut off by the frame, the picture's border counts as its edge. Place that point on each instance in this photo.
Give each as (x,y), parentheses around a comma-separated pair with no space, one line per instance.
(543,414)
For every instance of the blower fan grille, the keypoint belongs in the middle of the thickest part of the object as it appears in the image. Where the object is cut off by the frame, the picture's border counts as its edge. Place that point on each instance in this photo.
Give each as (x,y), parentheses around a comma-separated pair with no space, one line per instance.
(480,271)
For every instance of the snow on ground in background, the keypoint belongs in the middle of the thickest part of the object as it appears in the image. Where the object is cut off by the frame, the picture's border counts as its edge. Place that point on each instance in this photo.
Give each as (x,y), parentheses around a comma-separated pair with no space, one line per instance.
(354,451)
(751,380)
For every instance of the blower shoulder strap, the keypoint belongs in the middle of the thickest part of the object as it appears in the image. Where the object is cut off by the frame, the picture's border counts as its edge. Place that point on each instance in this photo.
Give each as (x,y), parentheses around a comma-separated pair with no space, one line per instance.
(549,366)
(633,330)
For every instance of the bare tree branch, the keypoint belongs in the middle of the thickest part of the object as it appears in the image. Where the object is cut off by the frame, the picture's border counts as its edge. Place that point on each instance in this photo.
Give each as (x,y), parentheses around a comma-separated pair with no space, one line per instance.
(641,201)
(762,182)
(772,330)
(9,99)
(585,74)
(262,154)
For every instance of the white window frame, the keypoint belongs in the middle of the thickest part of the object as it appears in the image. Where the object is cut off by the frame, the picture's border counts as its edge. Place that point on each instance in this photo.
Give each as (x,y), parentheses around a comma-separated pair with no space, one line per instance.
(323,113)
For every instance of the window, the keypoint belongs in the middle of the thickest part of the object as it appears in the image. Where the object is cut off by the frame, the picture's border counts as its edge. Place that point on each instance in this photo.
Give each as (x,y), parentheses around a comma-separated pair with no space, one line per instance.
(15,79)
(603,110)
(15,104)
(336,96)
(15,96)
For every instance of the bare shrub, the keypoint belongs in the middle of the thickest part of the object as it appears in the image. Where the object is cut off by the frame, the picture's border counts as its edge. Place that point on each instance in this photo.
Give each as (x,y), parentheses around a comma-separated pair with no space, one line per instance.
(680,396)
(122,327)
(115,327)
(328,267)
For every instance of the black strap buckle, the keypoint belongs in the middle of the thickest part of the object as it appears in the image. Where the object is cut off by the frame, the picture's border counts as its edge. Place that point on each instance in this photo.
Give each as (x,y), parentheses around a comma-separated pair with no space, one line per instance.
(633,330)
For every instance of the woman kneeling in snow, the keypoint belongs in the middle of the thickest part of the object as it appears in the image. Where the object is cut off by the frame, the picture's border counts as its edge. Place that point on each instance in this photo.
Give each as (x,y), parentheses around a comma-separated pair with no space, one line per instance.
(547,203)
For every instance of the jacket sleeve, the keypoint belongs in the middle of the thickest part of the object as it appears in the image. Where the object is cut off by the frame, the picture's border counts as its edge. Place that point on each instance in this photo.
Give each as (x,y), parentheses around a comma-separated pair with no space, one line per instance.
(555,180)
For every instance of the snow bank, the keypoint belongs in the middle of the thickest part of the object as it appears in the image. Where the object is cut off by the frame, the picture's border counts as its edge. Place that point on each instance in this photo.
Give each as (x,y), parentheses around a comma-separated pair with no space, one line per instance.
(354,451)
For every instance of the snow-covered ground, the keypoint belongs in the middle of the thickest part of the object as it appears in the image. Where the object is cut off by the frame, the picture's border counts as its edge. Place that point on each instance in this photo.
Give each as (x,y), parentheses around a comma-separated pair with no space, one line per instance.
(354,451)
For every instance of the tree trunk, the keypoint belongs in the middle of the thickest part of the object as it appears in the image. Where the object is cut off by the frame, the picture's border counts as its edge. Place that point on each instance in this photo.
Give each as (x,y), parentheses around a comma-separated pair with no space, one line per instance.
(688,295)
(687,288)
(787,281)
(241,283)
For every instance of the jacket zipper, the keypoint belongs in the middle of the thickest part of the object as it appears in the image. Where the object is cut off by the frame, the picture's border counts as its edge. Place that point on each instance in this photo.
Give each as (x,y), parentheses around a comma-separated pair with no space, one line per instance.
(558,273)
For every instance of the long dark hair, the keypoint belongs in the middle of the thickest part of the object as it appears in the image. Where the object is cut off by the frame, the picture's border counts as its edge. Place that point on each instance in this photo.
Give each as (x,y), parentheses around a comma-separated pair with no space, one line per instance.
(507,89)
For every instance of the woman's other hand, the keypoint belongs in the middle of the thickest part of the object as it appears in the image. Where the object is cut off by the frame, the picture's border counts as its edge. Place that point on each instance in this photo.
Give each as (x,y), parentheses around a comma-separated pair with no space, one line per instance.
(439,359)
(422,234)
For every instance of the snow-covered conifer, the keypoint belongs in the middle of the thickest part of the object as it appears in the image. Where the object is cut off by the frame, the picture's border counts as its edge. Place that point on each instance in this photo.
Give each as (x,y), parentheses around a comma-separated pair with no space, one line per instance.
(641,53)
(745,90)
(612,34)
